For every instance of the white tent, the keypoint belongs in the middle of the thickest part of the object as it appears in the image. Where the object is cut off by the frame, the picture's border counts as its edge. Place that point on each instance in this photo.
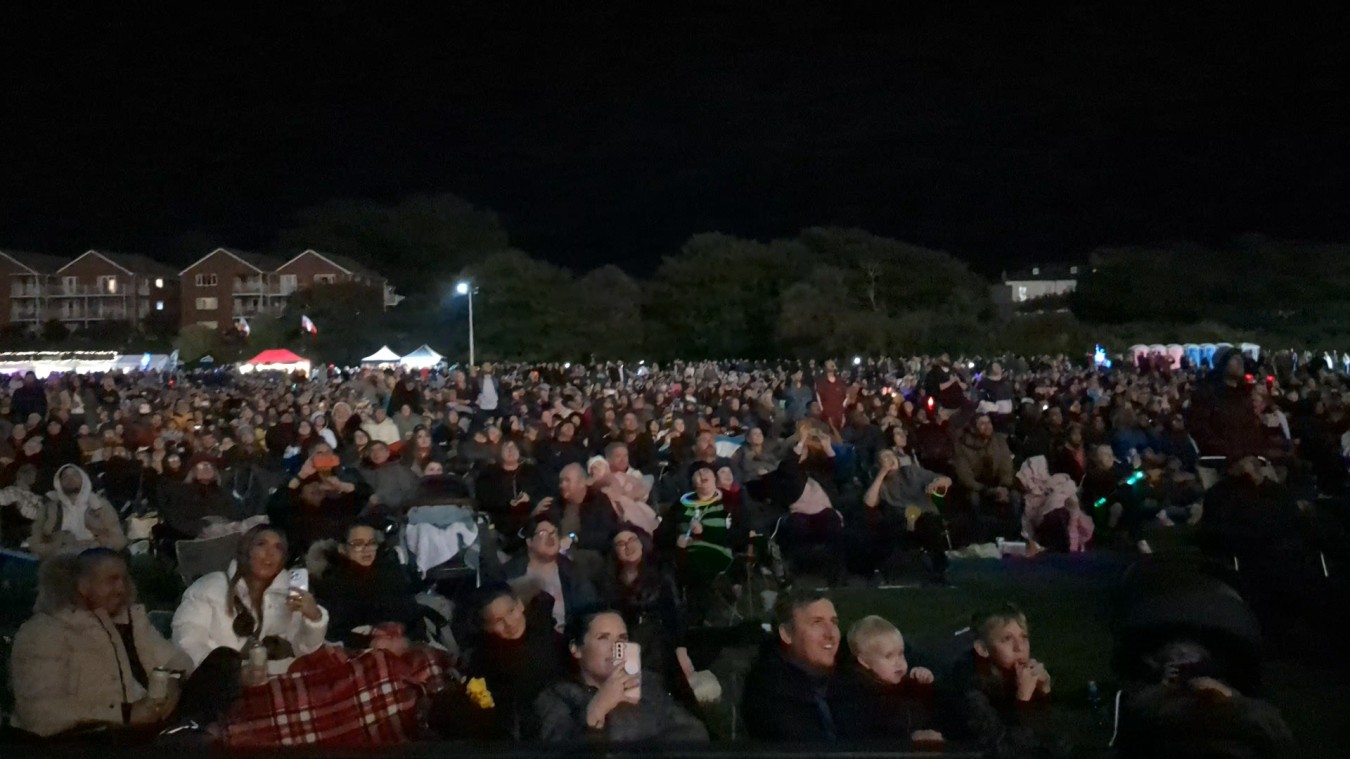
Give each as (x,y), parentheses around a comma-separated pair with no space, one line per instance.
(1251,350)
(381,356)
(422,358)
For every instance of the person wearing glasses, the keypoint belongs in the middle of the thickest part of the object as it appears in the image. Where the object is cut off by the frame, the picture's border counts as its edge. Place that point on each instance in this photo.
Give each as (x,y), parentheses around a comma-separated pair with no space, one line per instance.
(544,568)
(362,585)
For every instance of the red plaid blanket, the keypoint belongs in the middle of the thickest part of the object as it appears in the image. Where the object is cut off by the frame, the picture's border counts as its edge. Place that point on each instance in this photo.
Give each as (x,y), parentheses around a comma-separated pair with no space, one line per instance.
(333,698)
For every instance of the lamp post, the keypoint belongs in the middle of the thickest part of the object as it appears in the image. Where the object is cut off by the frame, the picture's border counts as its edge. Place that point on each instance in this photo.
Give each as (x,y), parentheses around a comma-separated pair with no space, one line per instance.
(467,288)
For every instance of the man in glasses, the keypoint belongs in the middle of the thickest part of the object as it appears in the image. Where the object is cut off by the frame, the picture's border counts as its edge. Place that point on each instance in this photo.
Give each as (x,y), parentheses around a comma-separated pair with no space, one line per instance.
(543,568)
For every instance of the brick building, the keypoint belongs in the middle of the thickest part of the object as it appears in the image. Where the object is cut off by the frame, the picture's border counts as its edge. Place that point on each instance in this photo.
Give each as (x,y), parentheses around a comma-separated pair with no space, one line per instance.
(227,284)
(94,287)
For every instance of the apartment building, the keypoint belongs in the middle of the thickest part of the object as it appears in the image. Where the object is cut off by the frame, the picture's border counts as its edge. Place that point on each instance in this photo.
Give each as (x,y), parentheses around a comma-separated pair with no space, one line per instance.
(226,284)
(97,286)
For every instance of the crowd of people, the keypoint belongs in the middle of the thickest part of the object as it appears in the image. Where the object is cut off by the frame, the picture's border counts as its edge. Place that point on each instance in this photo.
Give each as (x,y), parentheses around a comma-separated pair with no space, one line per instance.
(617,509)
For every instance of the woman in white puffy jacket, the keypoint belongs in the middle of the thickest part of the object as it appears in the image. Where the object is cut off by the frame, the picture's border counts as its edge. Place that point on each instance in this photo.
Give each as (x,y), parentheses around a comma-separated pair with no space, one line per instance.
(251,603)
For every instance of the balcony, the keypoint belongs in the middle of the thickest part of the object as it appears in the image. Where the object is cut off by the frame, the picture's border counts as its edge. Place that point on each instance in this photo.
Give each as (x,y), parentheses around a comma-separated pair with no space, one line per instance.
(24,291)
(85,291)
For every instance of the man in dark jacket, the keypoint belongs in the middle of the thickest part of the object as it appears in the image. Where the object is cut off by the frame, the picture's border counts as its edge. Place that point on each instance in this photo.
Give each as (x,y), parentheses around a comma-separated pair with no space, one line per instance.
(787,692)
(29,399)
(1223,420)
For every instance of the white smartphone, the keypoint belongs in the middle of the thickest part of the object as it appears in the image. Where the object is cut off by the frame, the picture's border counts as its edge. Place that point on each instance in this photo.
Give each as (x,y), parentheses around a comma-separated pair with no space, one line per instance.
(629,656)
(300,580)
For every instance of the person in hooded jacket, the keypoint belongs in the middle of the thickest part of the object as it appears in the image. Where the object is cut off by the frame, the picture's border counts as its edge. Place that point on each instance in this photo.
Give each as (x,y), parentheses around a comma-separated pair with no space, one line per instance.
(84,658)
(1223,419)
(74,517)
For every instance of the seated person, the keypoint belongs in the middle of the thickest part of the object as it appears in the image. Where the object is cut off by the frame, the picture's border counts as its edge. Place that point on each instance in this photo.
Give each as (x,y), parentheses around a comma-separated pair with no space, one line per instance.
(649,601)
(362,585)
(19,506)
(587,521)
(898,504)
(996,695)
(187,506)
(1189,711)
(85,657)
(510,492)
(251,603)
(544,568)
(587,517)
(984,472)
(392,484)
(74,517)
(517,651)
(786,696)
(316,506)
(812,535)
(629,493)
(877,696)
(603,700)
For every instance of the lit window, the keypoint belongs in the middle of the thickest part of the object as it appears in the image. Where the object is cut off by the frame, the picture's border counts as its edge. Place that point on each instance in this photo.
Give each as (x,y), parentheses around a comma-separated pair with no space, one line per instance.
(159,281)
(1021,292)
(1073,269)
(1035,271)
(206,280)
(325,279)
(159,305)
(207,304)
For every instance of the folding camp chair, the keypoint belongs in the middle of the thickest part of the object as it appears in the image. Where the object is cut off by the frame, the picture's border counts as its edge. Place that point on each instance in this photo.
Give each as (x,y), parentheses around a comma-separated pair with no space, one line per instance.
(204,556)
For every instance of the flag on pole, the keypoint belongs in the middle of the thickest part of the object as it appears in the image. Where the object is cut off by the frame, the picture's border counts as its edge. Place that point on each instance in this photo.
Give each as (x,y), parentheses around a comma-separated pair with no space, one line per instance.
(307,325)
(242,326)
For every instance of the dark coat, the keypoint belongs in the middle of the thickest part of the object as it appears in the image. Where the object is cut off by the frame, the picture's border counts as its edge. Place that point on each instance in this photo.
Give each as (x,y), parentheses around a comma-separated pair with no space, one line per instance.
(1223,421)
(517,671)
(496,488)
(185,506)
(356,596)
(867,709)
(981,709)
(783,702)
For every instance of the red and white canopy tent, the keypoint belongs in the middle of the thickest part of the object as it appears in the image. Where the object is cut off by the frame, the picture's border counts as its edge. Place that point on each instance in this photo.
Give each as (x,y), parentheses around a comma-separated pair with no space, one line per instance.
(276,360)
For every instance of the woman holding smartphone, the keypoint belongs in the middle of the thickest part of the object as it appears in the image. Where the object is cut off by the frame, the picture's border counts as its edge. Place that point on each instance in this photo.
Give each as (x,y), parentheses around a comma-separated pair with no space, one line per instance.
(606,699)
(254,603)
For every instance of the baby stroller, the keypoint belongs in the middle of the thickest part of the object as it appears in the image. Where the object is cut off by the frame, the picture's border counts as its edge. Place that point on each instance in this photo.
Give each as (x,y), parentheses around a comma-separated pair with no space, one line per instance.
(1162,605)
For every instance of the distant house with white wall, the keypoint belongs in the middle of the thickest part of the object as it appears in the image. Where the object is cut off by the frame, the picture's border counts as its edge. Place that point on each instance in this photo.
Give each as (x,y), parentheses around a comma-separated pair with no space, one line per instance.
(1035,282)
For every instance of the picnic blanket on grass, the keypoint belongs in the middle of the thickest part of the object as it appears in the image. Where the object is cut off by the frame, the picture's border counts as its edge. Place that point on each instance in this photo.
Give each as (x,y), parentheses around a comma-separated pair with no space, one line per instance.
(333,697)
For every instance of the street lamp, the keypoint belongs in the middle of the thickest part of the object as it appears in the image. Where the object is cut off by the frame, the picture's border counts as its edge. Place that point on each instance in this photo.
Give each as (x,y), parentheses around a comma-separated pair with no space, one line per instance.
(466,288)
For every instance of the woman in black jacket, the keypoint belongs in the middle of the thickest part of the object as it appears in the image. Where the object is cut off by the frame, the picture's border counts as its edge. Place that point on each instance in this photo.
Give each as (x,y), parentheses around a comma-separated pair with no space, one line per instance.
(360,585)
(648,600)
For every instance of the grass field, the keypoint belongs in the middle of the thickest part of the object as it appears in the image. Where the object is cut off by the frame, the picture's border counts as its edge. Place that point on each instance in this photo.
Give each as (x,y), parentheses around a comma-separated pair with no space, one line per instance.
(1066,598)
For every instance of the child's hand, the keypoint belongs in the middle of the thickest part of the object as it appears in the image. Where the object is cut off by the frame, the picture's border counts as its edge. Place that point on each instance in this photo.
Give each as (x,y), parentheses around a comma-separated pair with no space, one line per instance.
(922,676)
(1028,682)
(1042,677)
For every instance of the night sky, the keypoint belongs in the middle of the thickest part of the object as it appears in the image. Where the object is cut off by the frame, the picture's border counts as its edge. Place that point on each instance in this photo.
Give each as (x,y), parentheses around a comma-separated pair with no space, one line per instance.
(1002,135)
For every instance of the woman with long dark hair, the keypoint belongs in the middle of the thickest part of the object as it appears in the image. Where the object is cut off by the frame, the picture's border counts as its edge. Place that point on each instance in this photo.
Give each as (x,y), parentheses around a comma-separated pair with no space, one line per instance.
(253,603)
